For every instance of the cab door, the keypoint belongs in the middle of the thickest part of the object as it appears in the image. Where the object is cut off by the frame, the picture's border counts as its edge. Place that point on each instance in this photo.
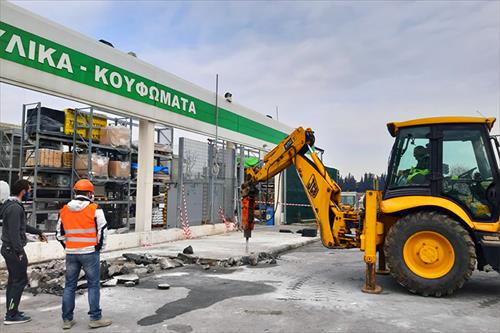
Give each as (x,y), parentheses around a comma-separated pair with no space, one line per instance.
(469,170)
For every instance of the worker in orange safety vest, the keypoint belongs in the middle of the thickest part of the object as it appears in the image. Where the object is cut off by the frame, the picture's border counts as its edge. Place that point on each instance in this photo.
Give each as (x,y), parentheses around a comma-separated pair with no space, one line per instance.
(81,229)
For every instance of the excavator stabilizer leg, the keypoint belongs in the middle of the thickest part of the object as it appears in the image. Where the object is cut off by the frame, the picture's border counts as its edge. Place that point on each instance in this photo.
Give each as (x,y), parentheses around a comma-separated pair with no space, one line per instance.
(370,237)
(371,286)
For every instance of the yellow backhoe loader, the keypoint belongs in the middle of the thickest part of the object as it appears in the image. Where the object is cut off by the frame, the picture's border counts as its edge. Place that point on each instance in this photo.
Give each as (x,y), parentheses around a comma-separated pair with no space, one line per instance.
(437,218)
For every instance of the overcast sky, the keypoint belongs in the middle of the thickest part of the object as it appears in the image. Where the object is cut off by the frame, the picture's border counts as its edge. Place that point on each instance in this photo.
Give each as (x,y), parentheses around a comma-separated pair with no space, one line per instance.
(344,69)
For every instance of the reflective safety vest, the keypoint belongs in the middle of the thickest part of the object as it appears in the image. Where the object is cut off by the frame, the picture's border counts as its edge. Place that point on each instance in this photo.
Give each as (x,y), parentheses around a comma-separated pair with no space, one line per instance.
(80,229)
(417,172)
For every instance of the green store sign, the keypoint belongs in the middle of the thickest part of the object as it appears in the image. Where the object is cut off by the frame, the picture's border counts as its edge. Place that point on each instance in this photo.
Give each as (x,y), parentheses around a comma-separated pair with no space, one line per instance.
(33,51)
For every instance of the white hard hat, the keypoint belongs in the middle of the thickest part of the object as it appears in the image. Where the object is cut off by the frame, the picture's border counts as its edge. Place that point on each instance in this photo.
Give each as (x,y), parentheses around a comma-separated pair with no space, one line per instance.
(4,191)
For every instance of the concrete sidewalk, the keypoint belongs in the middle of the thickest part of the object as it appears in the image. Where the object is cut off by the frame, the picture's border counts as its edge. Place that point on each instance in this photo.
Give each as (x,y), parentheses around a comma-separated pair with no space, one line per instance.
(267,239)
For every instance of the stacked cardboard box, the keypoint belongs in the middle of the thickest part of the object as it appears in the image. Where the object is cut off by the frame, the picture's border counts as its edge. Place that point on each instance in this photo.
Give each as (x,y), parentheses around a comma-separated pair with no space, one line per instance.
(119,169)
(99,165)
(115,136)
(162,148)
(46,158)
(67,159)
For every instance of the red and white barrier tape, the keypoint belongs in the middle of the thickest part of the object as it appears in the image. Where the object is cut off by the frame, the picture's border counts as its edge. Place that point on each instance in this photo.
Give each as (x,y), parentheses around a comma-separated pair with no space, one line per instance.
(184,216)
(285,204)
(229,225)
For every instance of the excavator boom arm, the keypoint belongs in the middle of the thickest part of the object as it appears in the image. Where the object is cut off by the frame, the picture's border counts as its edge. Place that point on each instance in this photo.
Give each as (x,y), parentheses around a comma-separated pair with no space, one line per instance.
(322,192)
(299,142)
(339,225)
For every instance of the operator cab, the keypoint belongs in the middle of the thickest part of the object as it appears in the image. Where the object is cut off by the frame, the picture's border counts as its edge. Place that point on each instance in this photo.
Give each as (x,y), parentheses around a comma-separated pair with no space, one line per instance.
(450,157)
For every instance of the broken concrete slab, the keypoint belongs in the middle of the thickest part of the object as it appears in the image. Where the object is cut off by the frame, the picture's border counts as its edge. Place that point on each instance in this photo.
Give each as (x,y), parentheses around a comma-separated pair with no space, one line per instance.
(140,258)
(187,258)
(110,283)
(104,270)
(129,284)
(232,261)
(253,259)
(208,261)
(188,250)
(167,263)
(127,268)
(179,262)
(34,283)
(82,285)
(114,269)
(140,271)
(128,277)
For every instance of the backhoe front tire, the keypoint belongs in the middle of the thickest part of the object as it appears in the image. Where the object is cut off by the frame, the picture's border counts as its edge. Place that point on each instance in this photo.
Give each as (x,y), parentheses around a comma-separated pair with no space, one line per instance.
(430,253)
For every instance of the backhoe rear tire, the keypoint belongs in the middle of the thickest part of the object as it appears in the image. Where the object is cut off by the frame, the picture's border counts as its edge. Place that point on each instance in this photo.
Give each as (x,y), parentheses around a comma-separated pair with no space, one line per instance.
(430,253)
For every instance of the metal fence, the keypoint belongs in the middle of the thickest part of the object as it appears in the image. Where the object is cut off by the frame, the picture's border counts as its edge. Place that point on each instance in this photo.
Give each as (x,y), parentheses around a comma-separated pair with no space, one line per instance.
(204,184)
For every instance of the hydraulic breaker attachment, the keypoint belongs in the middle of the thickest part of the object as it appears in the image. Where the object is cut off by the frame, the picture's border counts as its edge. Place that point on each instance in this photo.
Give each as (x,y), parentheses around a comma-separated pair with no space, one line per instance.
(247,221)
(247,218)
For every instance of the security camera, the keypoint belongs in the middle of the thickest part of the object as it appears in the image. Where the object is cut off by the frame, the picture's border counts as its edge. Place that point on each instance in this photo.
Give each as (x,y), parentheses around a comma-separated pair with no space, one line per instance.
(228,96)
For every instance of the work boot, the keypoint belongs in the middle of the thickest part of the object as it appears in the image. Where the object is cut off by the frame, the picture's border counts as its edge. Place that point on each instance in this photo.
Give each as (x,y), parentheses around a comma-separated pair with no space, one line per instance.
(103,322)
(67,324)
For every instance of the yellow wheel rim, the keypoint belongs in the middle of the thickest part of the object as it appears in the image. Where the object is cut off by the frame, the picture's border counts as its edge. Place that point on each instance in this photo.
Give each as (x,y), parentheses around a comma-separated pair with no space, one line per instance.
(429,254)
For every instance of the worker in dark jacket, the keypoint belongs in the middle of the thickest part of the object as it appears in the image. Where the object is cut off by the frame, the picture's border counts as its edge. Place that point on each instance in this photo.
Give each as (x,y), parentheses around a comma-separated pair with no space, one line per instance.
(14,229)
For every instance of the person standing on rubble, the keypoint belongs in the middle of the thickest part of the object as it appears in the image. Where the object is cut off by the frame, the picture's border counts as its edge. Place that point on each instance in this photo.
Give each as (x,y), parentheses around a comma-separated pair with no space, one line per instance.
(81,229)
(14,229)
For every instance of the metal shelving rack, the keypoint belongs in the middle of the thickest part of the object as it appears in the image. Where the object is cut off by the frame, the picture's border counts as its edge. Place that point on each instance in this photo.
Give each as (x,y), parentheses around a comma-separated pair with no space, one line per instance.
(57,195)
(10,140)
(164,135)
(54,197)
(118,191)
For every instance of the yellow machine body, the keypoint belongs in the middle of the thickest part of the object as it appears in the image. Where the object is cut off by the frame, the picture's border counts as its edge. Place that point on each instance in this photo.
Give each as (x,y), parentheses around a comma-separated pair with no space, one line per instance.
(425,253)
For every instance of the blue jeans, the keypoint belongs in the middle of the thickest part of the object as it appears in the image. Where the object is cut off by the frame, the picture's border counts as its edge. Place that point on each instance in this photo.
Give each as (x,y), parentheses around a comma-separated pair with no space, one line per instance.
(91,266)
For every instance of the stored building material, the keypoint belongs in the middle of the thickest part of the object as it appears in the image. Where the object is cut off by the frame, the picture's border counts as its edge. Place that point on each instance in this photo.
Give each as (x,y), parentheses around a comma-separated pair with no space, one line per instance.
(50,120)
(119,169)
(161,148)
(67,159)
(99,167)
(46,158)
(83,120)
(61,180)
(115,136)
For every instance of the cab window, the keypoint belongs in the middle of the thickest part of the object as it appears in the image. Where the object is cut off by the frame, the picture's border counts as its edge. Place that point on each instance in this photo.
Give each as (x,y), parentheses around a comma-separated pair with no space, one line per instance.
(467,172)
(411,162)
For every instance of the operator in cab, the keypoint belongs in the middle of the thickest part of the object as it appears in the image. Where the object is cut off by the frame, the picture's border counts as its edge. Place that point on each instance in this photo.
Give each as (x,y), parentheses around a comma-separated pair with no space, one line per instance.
(417,174)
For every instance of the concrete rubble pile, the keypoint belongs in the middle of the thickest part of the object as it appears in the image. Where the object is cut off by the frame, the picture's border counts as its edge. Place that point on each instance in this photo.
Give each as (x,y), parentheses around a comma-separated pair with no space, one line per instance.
(127,270)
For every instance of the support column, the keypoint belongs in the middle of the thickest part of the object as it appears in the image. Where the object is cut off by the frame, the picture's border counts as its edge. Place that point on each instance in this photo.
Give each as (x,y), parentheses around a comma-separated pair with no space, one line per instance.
(229,180)
(144,198)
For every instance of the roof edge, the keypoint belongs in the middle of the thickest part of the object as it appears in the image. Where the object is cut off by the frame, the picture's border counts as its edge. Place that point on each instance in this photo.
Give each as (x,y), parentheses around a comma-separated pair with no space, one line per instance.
(394,127)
